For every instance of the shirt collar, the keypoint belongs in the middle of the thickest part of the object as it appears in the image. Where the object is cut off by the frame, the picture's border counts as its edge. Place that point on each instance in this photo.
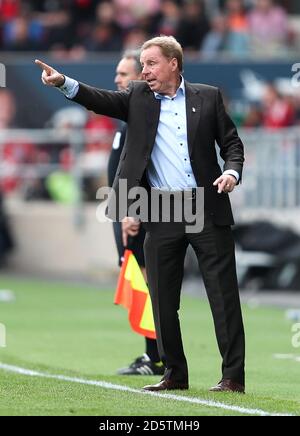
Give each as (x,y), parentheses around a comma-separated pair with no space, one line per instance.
(181,89)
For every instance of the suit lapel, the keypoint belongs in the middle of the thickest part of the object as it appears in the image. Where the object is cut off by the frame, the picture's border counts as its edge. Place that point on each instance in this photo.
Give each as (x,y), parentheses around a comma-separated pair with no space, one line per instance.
(153,113)
(193,113)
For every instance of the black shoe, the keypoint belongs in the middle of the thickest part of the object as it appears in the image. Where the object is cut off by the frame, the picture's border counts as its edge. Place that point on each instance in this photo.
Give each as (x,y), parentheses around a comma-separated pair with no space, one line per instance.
(143,366)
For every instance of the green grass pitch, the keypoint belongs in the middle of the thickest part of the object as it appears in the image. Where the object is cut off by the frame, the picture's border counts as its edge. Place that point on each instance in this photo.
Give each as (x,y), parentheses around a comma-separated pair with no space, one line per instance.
(76,331)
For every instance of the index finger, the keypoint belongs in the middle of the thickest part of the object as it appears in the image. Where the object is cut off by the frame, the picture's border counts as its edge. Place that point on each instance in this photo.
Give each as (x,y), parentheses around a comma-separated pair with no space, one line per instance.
(221,185)
(124,238)
(43,66)
(218,180)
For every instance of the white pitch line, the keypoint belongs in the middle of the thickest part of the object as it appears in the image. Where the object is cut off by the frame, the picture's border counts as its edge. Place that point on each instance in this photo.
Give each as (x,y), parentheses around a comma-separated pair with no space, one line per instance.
(106,385)
(293,357)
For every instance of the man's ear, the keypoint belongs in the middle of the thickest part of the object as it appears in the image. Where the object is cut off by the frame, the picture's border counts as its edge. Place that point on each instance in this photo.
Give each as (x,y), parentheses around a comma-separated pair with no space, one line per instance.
(174,63)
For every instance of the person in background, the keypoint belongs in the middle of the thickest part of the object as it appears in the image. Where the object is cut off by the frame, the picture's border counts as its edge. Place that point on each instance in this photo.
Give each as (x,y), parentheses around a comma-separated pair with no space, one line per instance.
(6,238)
(268,23)
(13,154)
(7,116)
(237,25)
(215,40)
(193,26)
(278,111)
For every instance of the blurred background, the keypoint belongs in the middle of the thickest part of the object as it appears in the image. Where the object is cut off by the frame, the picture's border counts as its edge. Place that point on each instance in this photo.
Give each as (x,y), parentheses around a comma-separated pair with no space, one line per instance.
(54,154)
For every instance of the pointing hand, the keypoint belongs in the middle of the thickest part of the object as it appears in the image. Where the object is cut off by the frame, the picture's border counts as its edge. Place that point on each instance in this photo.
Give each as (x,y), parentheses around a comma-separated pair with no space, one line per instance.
(50,77)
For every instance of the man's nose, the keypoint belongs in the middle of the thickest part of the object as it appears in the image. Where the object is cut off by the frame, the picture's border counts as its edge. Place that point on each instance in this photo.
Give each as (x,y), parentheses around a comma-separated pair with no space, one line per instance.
(144,70)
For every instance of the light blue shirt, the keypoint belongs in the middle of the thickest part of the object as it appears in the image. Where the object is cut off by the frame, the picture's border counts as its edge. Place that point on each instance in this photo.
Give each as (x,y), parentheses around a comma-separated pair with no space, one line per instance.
(70,87)
(170,166)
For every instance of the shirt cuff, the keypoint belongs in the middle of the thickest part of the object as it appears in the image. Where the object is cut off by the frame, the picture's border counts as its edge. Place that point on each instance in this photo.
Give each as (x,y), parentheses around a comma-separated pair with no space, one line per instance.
(70,87)
(233,173)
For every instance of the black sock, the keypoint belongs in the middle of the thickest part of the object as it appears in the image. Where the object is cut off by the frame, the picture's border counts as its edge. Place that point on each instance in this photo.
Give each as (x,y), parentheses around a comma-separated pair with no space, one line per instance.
(151,350)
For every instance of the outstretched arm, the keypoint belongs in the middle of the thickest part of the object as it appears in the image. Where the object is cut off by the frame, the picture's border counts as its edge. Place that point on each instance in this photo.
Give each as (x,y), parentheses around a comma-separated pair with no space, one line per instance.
(111,103)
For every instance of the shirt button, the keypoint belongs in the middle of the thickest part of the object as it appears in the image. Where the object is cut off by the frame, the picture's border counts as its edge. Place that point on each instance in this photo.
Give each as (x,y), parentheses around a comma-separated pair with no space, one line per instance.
(176,114)
(178,128)
(181,143)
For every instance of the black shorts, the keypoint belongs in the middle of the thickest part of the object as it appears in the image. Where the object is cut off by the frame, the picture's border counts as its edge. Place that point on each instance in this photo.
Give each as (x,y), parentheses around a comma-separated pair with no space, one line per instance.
(136,244)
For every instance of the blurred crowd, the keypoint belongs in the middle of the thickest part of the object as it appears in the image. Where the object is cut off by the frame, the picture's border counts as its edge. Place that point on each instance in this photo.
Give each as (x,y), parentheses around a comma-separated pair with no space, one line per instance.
(55,161)
(274,111)
(71,28)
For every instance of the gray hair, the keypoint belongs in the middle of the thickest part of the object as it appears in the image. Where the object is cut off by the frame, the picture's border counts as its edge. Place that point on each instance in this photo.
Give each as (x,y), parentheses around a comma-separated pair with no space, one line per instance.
(169,46)
(134,55)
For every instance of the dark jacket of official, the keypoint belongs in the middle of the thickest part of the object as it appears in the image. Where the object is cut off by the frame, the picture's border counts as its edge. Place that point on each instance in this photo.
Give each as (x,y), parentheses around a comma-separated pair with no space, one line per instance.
(207,123)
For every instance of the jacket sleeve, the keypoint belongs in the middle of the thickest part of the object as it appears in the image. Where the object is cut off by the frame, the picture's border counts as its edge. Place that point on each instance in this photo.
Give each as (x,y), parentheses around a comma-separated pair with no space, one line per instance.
(231,146)
(114,104)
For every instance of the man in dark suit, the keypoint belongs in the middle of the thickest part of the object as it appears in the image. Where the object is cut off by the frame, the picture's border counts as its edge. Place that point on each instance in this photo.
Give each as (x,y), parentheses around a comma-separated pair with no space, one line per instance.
(129,68)
(170,144)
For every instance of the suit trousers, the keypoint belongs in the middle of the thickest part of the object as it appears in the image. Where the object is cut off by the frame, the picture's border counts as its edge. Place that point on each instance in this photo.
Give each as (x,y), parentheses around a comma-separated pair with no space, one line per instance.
(165,248)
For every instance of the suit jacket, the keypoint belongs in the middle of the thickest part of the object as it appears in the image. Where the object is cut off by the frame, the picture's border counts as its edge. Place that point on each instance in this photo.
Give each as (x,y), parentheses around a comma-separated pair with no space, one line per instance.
(207,123)
(115,154)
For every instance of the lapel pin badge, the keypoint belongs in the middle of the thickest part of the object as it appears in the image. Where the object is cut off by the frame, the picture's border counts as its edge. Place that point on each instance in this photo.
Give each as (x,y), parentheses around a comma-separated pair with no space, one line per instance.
(193,109)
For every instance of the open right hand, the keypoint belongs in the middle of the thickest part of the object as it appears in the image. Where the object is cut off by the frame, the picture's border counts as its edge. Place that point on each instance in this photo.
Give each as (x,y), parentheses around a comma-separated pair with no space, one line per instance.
(50,77)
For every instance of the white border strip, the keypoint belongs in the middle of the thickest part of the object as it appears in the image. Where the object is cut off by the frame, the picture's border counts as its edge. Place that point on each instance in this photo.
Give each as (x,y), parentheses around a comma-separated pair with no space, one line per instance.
(105,385)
